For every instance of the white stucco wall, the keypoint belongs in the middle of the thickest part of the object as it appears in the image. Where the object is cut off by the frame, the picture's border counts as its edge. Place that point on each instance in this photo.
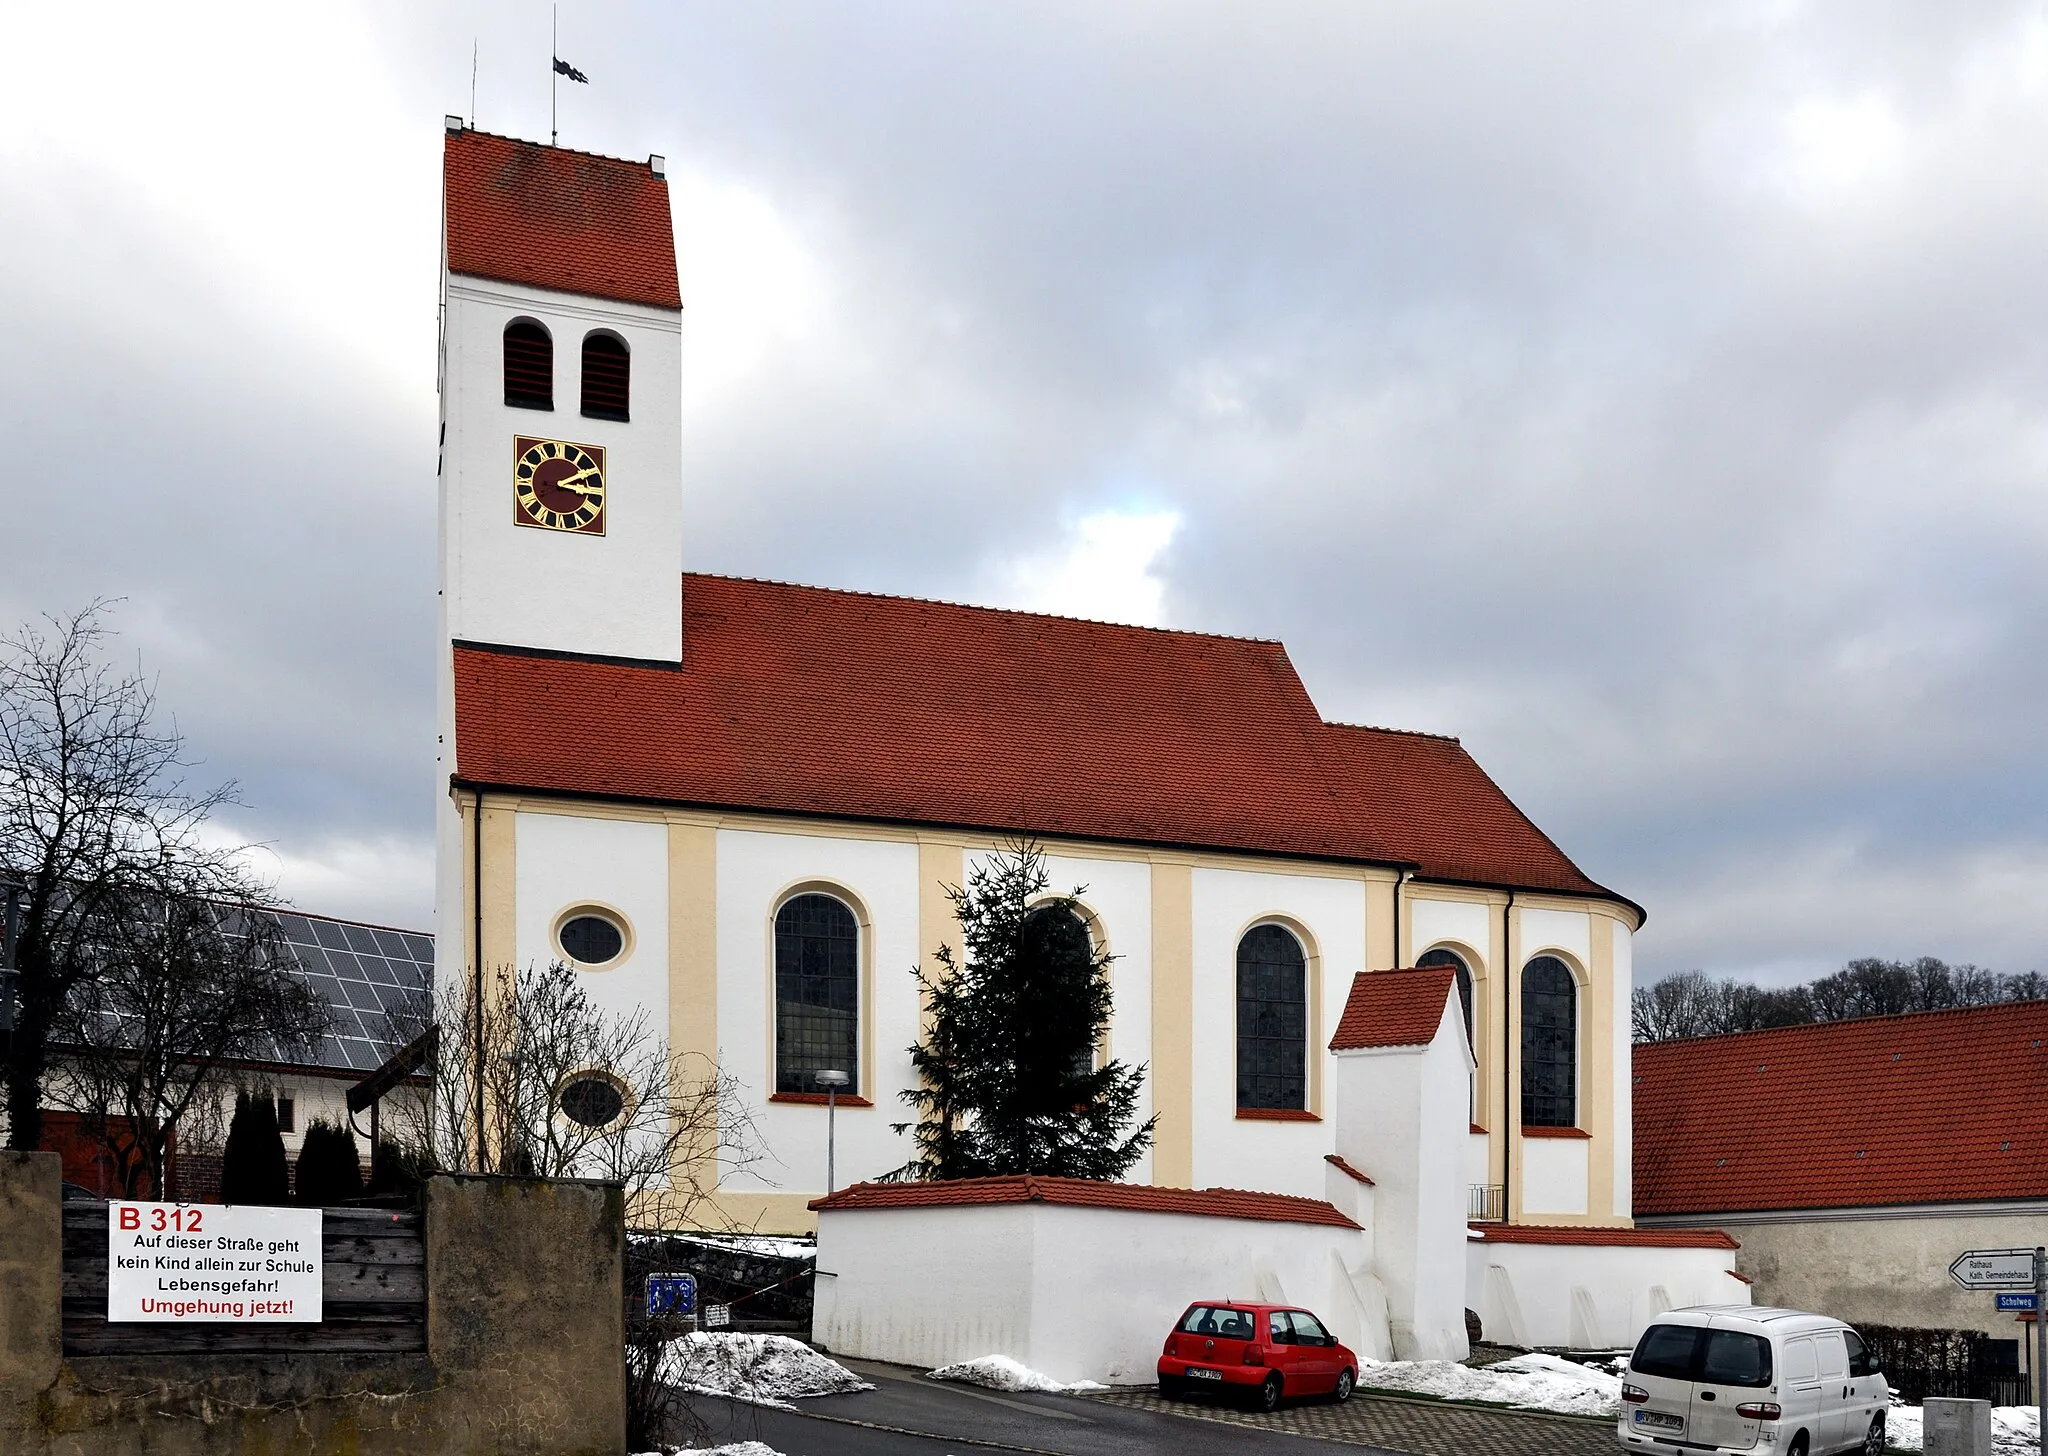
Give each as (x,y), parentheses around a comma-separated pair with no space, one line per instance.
(1567,930)
(1589,1297)
(1554,1175)
(1464,924)
(1279,1157)
(1077,1293)
(1399,1112)
(756,871)
(561,861)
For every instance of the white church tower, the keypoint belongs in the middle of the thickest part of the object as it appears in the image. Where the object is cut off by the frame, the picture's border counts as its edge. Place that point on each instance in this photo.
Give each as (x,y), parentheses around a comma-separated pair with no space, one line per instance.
(560,471)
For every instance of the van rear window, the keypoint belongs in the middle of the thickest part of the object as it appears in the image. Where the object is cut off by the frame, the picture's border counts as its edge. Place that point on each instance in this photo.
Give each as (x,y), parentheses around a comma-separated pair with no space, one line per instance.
(1735,1358)
(1712,1357)
(1667,1351)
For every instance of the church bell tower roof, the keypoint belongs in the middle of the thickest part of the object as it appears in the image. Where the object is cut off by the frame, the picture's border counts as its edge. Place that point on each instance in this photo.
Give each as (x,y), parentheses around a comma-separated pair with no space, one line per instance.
(519,212)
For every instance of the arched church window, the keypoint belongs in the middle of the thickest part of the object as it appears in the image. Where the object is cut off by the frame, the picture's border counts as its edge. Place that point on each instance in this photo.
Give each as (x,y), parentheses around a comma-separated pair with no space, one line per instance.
(1054,936)
(1550,1044)
(529,366)
(607,377)
(1272,1019)
(817,993)
(1443,957)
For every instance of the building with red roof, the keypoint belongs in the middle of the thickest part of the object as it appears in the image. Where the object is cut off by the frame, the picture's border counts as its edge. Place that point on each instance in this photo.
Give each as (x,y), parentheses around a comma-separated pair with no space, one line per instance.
(737,805)
(1854,1160)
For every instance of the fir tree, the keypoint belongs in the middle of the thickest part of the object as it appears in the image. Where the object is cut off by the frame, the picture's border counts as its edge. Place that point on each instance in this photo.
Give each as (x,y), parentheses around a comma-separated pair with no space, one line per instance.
(330,1168)
(1008,1080)
(252,1165)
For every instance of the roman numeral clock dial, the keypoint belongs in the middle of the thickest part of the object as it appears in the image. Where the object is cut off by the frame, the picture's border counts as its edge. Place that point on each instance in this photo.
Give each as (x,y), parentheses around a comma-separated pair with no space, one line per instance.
(558,486)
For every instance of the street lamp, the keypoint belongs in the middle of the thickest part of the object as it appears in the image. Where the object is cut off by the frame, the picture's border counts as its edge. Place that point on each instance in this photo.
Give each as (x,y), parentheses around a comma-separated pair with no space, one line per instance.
(11,892)
(831,1082)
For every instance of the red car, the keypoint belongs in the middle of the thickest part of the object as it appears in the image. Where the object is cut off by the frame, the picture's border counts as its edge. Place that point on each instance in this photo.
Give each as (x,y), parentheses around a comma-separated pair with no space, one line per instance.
(1265,1351)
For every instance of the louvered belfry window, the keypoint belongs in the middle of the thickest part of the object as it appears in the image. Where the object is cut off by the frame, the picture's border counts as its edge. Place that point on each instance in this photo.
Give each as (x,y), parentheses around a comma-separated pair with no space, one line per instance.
(1272,1020)
(1550,1044)
(607,376)
(529,366)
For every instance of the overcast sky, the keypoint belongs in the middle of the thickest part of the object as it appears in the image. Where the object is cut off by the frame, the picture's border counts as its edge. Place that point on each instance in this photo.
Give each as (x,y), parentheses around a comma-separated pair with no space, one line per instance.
(1654,396)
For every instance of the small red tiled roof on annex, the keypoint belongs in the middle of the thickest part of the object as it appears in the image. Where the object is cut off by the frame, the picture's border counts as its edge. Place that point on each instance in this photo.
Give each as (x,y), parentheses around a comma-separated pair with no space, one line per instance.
(1346,1169)
(1932,1107)
(1088,1193)
(1602,1238)
(548,217)
(1393,1009)
(804,700)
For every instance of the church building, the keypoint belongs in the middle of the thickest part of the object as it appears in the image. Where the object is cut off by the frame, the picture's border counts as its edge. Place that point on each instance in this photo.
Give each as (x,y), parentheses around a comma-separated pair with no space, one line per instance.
(737,804)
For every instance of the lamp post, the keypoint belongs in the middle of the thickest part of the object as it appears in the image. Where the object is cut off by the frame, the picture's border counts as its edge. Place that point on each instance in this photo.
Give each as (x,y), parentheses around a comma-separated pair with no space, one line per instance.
(831,1082)
(11,892)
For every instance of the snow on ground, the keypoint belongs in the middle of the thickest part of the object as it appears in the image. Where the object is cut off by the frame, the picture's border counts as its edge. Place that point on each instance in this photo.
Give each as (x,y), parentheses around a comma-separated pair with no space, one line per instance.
(762,1369)
(2015,1429)
(1527,1382)
(740,1448)
(1000,1372)
(770,1246)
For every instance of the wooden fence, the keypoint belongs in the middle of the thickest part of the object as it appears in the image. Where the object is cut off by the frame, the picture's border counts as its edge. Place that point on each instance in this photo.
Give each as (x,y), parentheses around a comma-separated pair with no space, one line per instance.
(373,1293)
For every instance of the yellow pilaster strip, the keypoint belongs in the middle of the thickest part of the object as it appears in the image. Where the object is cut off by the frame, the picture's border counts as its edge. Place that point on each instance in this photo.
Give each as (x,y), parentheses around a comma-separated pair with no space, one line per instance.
(500,885)
(693,964)
(1173,1023)
(940,863)
(1596,1055)
(1379,923)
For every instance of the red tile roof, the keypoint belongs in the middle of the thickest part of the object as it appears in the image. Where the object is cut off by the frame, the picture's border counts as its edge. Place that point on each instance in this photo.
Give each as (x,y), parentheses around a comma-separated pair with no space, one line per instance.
(1936,1107)
(805,700)
(1346,1169)
(1393,1009)
(1603,1238)
(1088,1193)
(520,212)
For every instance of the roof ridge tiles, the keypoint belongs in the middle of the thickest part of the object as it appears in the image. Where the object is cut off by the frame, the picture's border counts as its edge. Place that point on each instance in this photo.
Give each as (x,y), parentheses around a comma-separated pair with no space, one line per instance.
(880,596)
(502,136)
(1394,732)
(1813,1027)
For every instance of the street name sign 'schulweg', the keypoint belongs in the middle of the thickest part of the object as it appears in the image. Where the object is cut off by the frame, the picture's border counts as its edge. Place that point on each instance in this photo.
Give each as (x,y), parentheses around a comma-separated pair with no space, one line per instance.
(210,1263)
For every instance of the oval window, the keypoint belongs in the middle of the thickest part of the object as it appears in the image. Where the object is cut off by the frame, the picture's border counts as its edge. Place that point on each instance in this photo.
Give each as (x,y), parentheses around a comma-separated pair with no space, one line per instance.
(591,940)
(593,1101)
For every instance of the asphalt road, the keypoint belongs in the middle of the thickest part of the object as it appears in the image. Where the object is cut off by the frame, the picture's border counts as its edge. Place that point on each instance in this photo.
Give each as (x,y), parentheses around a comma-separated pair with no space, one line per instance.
(963,1420)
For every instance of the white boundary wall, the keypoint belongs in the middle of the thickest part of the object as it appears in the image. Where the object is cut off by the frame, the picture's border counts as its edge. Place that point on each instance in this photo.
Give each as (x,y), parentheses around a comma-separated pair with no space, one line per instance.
(1589,1296)
(1075,1293)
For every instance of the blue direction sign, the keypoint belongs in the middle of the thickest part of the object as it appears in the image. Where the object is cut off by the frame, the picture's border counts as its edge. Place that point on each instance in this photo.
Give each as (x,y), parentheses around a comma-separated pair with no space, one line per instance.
(671,1294)
(2018,1303)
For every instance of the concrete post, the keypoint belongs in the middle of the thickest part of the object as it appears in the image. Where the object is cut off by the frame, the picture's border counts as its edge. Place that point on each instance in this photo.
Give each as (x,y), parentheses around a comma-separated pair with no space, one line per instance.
(31,1288)
(1956,1427)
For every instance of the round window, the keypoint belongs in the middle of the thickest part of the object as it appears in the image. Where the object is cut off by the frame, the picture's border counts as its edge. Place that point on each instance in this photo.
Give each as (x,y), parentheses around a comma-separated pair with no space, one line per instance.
(592,1100)
(591,940)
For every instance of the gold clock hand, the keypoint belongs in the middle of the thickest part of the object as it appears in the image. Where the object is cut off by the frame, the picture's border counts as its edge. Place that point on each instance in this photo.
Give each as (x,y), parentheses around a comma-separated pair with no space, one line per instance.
(568,483)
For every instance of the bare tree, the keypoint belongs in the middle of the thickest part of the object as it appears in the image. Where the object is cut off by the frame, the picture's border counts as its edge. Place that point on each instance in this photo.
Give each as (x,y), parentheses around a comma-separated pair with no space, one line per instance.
(571,1090)
(94,812)
(174,988)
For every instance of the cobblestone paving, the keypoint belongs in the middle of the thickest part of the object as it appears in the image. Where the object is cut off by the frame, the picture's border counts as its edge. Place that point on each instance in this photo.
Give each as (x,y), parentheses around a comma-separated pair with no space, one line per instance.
(1422,1427)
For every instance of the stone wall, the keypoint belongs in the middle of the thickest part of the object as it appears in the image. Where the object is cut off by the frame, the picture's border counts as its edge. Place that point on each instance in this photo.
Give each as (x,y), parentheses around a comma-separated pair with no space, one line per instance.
(525,1345)
(1881,1270)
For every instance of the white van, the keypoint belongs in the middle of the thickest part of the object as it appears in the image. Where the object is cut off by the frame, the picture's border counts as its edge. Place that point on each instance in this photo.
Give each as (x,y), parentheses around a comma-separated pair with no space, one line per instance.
(1734,1377)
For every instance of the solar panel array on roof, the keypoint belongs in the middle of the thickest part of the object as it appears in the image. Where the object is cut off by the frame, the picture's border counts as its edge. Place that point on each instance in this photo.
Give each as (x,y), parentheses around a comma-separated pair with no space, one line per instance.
(367,975)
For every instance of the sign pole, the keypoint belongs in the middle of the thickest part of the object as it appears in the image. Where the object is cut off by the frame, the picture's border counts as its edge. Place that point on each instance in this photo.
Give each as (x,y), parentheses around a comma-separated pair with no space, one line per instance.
(2041,1345)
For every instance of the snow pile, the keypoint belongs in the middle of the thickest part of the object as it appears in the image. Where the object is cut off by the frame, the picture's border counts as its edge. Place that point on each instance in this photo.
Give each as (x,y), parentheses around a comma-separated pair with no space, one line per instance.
(739,1448)
(2015,1429)
(1000,1372)
(762,1369)
(1527,1382)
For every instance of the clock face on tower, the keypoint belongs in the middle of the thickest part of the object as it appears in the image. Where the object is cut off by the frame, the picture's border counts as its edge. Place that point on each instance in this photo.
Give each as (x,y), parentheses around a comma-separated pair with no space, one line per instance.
(558,486)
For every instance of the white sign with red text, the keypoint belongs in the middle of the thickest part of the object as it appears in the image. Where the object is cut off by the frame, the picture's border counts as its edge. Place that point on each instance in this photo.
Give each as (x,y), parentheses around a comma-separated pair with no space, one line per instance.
(212,1263)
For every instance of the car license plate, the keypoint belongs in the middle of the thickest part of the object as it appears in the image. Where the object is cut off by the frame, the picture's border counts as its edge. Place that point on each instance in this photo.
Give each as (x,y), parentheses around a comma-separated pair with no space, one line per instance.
(1660,1420)
(1195,1373)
